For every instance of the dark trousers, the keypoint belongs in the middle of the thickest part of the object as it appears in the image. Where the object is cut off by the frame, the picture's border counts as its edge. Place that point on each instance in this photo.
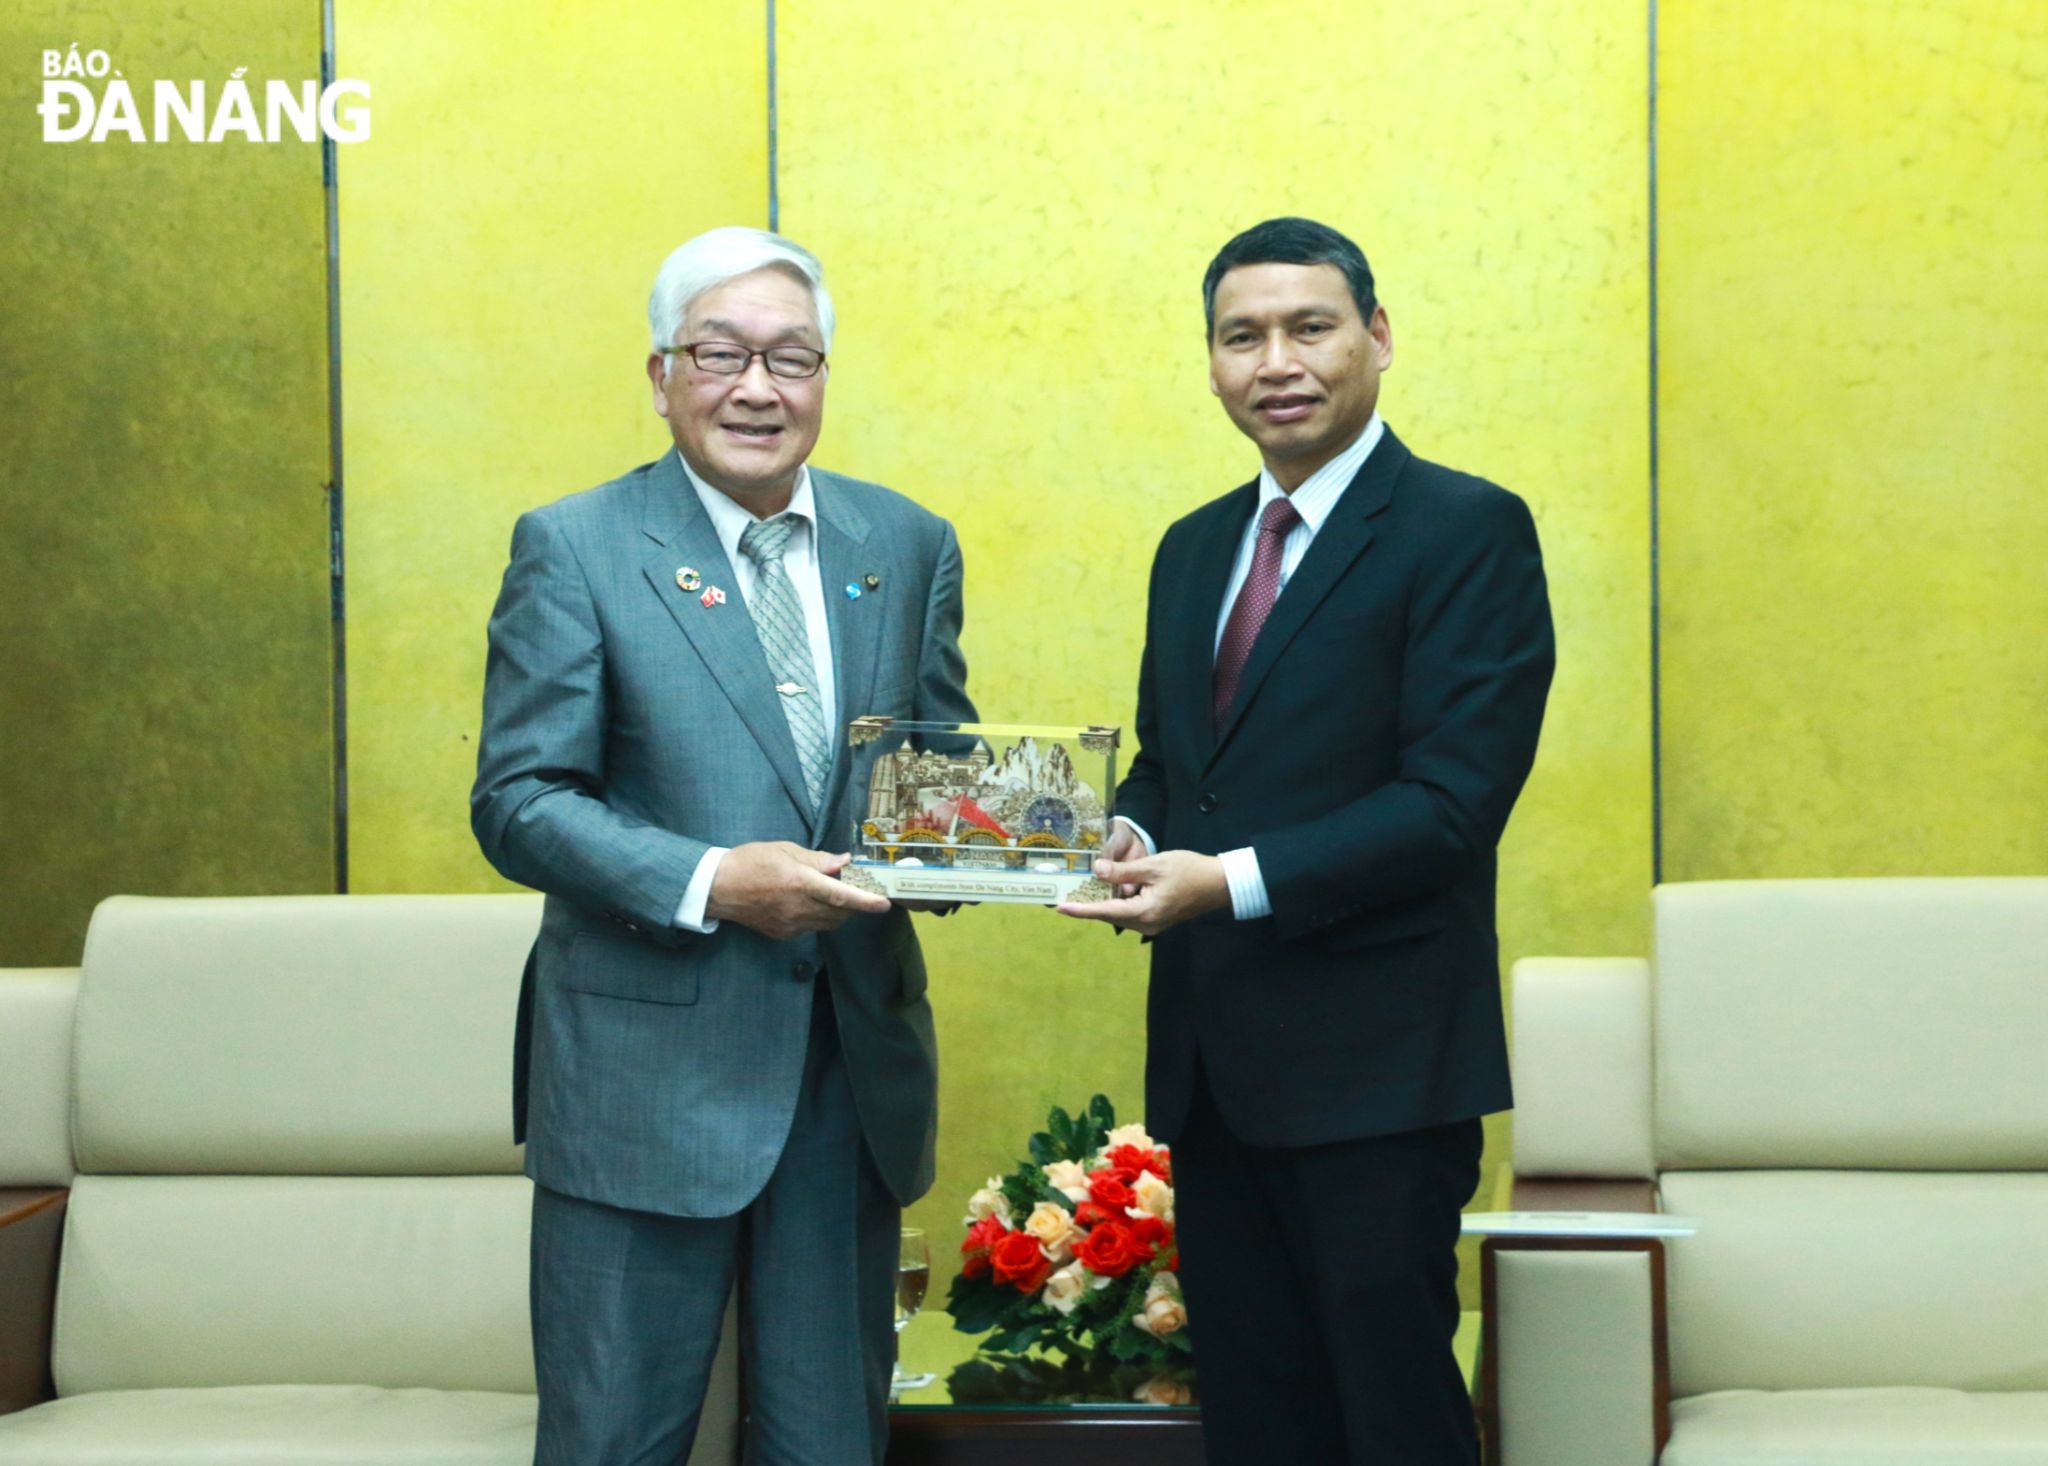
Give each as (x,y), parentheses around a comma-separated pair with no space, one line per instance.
(628,1305)
(1322,1290)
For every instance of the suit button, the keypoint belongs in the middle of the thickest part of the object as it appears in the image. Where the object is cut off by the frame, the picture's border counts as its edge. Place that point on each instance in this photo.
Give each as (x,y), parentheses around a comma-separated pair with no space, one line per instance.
(804,969)
(1206,804)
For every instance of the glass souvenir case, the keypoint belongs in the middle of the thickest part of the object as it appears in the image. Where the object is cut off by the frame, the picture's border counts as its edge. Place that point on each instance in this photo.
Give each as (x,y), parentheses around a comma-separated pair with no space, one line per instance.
(981,811)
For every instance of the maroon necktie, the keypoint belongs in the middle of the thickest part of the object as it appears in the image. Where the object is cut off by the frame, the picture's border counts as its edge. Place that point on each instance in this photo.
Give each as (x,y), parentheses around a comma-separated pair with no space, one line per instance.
(1254,601)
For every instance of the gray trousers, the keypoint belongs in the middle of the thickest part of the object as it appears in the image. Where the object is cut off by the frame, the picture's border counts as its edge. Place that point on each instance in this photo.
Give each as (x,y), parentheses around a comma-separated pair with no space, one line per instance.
(627,1305)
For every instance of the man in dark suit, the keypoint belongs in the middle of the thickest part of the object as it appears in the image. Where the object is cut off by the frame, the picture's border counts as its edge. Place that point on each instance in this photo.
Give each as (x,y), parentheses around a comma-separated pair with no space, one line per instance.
(1345,667)
(725,1062)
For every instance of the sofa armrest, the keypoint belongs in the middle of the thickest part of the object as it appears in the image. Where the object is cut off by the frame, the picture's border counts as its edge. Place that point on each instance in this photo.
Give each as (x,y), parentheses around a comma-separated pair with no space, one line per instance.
(1582,1066)
(31,1230)
(1575,1366)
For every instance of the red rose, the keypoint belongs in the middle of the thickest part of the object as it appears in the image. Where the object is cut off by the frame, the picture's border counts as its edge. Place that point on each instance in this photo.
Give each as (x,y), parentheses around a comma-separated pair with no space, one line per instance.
(1018,1259)
(1088,1214)
(1148,1235)
(1110,1250)
(974,1250)
(1111,1189)
(1135,1159)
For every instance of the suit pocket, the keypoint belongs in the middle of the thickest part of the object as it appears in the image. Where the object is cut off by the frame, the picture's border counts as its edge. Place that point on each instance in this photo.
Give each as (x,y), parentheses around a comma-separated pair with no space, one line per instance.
(619,967)
(1382,927)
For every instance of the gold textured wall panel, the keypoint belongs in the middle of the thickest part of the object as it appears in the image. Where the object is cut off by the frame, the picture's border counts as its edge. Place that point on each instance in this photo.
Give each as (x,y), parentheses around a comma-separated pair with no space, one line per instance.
(1015,209)
(1854,239)
(532,163)
(163,520)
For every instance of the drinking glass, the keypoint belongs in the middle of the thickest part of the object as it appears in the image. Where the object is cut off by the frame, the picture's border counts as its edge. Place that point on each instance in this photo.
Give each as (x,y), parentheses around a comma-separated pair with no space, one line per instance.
(913,1276)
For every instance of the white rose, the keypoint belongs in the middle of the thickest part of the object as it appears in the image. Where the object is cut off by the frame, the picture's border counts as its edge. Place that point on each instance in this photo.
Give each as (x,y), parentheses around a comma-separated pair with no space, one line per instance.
(1163,1391)
(1069,1179)
(1130,1135)
(1053,1226)
(1163,1312)
(988,1202)
(1064,1288)
(1155,1197)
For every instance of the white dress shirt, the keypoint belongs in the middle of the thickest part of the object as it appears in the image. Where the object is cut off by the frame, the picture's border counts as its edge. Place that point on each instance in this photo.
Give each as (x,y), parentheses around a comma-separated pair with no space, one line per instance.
(1313,501)
(800,564)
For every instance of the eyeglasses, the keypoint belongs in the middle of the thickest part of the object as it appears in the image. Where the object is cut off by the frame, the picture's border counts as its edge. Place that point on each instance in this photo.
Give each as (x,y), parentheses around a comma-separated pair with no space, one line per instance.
(729,358)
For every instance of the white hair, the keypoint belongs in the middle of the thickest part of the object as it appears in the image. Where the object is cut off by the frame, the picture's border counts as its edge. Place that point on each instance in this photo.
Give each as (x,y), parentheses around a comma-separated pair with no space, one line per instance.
(711,259)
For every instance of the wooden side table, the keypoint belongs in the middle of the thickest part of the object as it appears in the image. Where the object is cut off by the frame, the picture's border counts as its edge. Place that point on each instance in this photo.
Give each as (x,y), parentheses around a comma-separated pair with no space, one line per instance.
(1045,1435)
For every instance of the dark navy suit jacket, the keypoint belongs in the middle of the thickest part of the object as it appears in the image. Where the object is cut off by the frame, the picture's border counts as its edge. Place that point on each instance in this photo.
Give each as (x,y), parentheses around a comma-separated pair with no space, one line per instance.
(1382,729)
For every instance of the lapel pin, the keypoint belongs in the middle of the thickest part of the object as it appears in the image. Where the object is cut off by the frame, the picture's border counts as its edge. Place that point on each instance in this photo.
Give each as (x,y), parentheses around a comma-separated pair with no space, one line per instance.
(853,590)
(688,579)
(712,596)
(871,580)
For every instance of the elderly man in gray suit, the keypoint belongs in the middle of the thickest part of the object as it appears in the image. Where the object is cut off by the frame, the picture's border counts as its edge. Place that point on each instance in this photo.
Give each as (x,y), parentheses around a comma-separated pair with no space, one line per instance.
(725,1062)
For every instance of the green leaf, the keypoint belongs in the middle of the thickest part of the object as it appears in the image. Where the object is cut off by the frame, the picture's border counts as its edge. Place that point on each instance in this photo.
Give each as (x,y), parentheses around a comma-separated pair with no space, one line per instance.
(977,1304)
(1004,1341)
(1101,1120)
(1021,1191)
(1133,1345)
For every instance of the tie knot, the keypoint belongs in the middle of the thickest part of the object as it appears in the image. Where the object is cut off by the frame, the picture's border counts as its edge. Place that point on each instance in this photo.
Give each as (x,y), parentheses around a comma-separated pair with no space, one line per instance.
(1279,517)
(764,540)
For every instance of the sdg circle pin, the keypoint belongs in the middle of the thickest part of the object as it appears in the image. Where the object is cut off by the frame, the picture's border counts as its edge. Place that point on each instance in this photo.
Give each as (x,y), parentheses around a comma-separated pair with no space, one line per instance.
(688,579)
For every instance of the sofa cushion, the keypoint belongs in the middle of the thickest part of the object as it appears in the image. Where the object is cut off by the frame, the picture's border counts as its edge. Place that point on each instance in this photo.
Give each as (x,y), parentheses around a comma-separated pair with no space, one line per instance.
(309,1035)
(1858,1023)
(1888,1427)
(1841,1279)
(275,1425)
(175,1281)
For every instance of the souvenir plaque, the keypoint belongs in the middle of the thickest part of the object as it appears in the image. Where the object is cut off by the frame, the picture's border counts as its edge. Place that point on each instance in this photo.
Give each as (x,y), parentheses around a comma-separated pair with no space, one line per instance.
(981,811)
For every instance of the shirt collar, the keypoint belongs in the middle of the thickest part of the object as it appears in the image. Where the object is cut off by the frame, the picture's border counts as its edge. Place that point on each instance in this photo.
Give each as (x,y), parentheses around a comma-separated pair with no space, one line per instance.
(730,518)
(1319,493)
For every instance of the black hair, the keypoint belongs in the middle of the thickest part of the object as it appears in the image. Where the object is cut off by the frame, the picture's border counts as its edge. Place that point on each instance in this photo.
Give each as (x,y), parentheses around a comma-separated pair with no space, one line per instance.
(1291,241)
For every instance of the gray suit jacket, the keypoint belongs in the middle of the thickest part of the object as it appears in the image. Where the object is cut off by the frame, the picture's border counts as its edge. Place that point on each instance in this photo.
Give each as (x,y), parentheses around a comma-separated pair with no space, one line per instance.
(627,728)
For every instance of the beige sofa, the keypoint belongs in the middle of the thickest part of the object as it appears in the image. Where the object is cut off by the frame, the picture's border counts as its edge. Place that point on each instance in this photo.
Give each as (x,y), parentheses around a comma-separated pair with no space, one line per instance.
(1846,1084)
(295,1227)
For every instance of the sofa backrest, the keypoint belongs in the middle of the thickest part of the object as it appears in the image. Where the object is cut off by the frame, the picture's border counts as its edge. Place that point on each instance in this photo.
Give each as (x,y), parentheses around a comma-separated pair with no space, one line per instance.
(1852,1100)
(300,1035)
(292,1121)
(1870,1024)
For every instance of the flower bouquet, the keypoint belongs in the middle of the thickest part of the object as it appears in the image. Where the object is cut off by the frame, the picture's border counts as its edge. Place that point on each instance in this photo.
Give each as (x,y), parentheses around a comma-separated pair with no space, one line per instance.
(1073,1254)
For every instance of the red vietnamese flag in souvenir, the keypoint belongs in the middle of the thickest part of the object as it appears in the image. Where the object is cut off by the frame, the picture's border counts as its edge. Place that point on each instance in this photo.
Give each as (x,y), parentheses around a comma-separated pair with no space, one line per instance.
(963,811)
(975,815)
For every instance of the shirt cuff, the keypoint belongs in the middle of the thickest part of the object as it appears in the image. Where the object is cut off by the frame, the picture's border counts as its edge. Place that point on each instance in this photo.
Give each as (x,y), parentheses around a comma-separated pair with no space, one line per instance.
(1248,899)
(697,895)
(1151,845)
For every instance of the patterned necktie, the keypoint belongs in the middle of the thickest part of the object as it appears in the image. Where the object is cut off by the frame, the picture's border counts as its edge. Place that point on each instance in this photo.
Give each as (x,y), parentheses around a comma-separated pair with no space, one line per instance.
(786,642)
(1254,602)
